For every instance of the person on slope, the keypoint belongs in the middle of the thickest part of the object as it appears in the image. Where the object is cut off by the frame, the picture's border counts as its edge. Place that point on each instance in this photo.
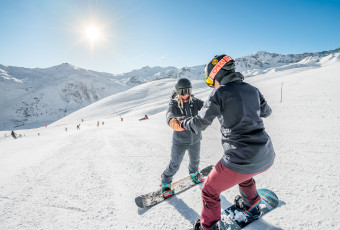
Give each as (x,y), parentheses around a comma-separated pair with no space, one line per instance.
(182,103)
(248,150)
(14,135)
(144,118)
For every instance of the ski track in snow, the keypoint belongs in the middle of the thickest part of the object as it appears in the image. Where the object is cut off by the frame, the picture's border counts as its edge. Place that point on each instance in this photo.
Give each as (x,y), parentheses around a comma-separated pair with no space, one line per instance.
(88,179)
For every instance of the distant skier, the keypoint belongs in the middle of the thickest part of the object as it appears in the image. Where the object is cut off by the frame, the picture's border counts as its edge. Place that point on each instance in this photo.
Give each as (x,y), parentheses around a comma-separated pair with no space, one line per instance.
(182,103)
(14,135)
(97,123)
(78,127)
(248,149)
(144,118)
(66,129)
(102,122)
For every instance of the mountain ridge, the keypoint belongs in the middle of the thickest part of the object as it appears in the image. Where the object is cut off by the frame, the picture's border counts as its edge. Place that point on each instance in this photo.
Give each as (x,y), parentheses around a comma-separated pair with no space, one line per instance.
(35,97)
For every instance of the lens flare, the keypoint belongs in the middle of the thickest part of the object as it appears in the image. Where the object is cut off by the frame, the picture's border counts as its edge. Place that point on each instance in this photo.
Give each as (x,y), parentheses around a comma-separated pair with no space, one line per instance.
(93,33)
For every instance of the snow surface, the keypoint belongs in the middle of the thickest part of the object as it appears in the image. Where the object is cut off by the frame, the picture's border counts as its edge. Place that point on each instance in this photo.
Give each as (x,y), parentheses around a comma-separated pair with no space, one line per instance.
(88,178)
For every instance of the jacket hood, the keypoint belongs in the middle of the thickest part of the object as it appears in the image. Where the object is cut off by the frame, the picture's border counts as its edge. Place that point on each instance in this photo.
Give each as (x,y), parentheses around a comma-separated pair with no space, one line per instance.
(236,76)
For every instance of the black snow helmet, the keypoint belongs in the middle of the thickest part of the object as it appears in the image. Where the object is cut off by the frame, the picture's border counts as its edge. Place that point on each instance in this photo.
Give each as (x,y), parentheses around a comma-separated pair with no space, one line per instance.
(183,86)
(217,68)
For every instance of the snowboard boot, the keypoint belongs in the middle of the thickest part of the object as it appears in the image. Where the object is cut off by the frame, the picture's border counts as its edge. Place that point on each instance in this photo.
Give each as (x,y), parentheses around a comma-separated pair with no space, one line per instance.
(253,212)
(167,190)
(216,226)
(197,177)
(197,225)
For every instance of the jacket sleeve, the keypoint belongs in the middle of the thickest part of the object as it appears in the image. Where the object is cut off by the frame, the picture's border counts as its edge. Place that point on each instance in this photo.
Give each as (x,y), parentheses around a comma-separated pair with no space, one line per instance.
(200,104)
(172,111)
(265,108)
(206,115)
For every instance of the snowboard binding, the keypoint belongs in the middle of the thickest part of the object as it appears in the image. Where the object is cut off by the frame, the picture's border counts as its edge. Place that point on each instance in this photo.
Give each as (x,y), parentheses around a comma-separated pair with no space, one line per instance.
(238,201)
(197,177)
(252,213)
(167,190)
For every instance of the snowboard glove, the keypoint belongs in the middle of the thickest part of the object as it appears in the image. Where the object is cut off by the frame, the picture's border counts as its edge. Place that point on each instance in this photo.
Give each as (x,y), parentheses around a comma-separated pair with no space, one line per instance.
(180,121)
(175,125)
(173,95)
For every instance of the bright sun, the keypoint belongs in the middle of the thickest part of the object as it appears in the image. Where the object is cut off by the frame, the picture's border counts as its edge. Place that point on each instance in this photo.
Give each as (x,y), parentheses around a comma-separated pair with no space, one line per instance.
(93,33)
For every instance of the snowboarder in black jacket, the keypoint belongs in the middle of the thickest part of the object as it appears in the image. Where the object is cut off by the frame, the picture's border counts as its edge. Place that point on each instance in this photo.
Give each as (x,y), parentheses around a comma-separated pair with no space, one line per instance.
(14,135)
(182,103)
(248,149)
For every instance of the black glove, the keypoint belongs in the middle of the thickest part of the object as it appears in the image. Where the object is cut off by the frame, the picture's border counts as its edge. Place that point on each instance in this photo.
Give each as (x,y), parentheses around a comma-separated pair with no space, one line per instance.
(173,95)
(180,121)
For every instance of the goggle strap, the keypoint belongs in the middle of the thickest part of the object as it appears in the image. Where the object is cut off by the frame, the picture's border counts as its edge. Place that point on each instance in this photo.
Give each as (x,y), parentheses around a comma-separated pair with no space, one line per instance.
(219,66)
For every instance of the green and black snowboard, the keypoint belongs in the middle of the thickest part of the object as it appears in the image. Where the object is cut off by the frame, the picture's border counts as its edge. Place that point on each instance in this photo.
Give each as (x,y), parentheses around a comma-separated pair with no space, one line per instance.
(235,218)
(153,198)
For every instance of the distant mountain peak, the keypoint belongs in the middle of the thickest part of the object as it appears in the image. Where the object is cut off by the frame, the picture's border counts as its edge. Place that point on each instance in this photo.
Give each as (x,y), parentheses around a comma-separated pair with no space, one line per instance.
(64,66)
(261,52)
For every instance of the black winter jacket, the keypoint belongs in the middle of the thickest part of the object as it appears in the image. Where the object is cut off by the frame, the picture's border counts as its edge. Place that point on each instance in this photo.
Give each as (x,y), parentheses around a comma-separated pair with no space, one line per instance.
(239,108)
(189,109)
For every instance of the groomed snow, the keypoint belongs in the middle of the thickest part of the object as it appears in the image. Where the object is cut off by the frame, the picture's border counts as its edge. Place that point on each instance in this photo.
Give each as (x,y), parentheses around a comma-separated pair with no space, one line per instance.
(88,178)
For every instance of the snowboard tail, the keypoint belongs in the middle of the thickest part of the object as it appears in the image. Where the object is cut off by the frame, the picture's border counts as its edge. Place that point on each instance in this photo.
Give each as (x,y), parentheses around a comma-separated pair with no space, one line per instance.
(235,218)
(156,197)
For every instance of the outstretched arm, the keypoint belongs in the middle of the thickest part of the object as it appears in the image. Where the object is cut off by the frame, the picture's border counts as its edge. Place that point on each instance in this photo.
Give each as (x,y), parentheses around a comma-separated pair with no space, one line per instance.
(172,115)
(265,108)
(206,115)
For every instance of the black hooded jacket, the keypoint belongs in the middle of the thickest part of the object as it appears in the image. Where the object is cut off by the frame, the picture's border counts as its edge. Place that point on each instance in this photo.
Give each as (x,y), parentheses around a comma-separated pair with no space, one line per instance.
(239,107)
(189,109)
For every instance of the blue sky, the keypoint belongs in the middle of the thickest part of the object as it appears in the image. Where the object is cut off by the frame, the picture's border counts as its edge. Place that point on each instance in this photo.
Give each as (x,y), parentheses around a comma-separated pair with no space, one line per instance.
(138,33)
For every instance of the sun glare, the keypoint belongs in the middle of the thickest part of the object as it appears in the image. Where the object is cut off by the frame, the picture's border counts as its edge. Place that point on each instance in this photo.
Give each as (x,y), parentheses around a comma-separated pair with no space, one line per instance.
(93,34)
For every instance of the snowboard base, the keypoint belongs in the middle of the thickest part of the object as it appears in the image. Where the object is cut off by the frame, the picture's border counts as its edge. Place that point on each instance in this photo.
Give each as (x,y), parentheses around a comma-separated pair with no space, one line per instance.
(153,198)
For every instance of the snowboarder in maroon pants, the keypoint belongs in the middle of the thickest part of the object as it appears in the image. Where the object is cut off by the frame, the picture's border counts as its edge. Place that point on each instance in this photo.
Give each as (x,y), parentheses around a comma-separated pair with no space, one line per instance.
(248,149)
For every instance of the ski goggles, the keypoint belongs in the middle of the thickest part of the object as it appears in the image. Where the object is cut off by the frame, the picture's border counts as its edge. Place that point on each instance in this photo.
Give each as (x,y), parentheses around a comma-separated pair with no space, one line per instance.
(209,81)
(184,91)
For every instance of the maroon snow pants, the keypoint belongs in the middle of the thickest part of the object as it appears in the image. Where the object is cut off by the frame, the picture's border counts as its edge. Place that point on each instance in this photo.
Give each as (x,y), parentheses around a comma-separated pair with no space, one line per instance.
(219,180)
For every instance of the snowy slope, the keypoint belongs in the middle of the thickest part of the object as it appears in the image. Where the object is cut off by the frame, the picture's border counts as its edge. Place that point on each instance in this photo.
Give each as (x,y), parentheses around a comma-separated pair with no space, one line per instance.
(88,179)
(32,98)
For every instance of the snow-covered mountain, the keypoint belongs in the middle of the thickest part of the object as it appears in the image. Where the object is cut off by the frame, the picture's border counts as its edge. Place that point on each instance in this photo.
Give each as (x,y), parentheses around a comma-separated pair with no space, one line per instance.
(263,62)
(36,97)
(32,98)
